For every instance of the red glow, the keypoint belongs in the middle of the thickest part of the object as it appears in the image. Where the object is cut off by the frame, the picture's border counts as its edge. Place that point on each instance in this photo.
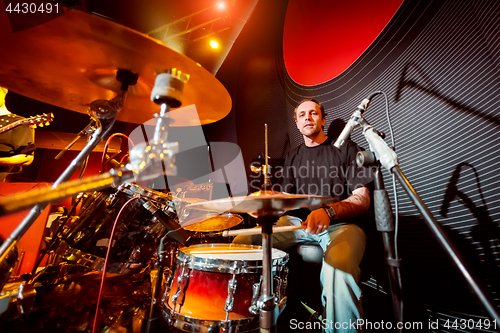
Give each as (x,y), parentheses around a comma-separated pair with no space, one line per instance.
(323,38)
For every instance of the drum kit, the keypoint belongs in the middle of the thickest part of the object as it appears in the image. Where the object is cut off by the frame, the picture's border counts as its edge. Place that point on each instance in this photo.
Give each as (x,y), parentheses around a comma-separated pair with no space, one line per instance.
(201,282)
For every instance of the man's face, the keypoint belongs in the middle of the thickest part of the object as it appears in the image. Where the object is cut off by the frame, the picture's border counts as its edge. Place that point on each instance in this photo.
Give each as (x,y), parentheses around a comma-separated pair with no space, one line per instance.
(308,119)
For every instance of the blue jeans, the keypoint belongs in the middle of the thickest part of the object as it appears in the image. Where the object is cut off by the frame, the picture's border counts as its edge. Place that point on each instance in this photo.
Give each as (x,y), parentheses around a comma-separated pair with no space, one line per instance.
(343,245)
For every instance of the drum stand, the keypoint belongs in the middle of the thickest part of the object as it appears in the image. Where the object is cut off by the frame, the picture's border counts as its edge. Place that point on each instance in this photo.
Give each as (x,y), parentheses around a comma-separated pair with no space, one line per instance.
(99,109)
(266,304)
(147,160)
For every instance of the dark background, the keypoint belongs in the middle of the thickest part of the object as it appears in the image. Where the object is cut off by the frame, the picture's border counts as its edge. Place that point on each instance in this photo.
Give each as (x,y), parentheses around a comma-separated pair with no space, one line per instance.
(438,62)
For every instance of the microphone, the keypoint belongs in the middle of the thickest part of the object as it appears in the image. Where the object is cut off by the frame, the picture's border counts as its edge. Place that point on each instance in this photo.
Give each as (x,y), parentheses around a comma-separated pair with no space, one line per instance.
(353,121)
(174,230)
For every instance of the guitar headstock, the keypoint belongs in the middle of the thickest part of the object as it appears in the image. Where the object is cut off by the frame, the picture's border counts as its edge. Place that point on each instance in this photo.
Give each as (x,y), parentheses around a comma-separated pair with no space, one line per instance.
(40,120)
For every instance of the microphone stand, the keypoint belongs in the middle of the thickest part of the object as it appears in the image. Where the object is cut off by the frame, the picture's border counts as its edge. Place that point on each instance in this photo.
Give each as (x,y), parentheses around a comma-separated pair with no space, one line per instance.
(384,220)
(388,158)
(86,131)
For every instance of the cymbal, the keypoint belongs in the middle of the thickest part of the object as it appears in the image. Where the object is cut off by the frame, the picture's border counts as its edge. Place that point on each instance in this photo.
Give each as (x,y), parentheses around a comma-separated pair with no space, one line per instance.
(72,60)
(263,205)
(215,223)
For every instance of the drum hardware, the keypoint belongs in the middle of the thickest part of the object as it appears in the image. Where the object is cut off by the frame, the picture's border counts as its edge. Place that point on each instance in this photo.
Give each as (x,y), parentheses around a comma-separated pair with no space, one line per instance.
(156,293)
(156,158)
(58,224)
(255,296)
(182,280)
(86,240)
(267,207)
(16,299)
(212,102)
(8,266)
(101,108)
(229,277)
(147,161)
(88,130)
(266,170)
(199,191)
(231,288)
(174,230)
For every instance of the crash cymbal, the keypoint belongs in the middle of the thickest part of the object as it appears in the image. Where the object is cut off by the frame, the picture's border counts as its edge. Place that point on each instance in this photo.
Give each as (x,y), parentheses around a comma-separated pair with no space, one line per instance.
(215,223)
(263,205)
(72,60)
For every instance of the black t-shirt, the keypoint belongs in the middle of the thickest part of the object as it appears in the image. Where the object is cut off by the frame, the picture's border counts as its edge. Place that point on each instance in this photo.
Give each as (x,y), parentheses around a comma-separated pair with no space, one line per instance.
(324,170)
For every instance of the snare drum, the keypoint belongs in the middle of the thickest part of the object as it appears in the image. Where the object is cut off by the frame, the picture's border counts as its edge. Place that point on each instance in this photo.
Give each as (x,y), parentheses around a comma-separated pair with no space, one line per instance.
(137,233)
(218,285)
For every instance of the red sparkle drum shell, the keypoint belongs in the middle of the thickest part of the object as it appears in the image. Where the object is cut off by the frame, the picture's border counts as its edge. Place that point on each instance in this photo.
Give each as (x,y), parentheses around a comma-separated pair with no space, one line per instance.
(209,268)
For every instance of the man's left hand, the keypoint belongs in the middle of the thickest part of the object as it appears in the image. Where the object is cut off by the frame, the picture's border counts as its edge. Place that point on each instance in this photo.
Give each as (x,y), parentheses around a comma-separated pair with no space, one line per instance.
(317,221)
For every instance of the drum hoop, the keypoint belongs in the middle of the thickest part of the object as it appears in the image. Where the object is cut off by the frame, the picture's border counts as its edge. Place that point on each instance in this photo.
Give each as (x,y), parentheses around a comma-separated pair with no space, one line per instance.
(238,266)
(94,262)
(135,190)
(202,325)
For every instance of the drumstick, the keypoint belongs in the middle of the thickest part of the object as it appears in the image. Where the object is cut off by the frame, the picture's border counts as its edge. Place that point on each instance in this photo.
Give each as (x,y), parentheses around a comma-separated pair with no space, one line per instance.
(256,231)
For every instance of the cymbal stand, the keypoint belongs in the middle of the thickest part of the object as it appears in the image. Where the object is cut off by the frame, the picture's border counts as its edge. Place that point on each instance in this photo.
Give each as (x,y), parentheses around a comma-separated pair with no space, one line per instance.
(268,311)
(88,130)
(389,160)
(167,92)
(267,174)
(265,169)
(158,156)
(99,109)
(147,160)
(156,295)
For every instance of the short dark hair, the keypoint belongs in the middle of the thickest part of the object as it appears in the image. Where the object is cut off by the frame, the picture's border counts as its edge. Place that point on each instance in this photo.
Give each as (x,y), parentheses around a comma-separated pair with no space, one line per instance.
(321,107)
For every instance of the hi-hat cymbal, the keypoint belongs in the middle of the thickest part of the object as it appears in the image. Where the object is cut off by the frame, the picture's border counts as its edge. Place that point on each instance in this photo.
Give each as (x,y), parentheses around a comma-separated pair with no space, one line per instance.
(263,205)
(72,60)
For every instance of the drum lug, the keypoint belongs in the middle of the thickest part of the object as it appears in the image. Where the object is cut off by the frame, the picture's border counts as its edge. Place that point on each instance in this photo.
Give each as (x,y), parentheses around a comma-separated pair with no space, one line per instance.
(231,287)
(255,296)
(182,283)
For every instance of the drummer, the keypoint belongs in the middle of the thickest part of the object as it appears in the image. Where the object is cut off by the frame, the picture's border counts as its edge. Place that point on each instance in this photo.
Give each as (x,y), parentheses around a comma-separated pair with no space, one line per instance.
(317,167)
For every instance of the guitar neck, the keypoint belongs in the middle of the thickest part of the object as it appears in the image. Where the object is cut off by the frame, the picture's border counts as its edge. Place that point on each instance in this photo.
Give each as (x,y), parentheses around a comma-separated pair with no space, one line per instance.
(10,126)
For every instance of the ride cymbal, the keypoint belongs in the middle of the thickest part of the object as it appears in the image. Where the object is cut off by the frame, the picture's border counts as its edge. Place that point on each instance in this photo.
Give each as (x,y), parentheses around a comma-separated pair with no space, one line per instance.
(72,61)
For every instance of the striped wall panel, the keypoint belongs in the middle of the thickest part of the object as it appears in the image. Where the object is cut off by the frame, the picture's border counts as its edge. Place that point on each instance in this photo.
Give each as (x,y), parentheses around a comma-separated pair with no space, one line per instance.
(438,63)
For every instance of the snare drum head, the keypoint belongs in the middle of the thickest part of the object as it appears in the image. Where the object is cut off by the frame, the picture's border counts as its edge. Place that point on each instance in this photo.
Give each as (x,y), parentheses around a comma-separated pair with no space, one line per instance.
(228,258)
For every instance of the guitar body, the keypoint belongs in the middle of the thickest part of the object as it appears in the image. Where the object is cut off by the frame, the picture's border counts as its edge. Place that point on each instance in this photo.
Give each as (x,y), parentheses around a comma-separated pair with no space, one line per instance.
(17,139)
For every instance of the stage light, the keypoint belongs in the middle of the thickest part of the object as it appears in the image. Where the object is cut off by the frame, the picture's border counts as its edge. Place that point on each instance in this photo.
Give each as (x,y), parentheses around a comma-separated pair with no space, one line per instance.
(214,44)
(221,5)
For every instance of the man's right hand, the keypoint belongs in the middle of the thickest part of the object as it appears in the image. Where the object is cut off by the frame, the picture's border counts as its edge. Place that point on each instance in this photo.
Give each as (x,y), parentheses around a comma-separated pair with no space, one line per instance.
(317,222)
